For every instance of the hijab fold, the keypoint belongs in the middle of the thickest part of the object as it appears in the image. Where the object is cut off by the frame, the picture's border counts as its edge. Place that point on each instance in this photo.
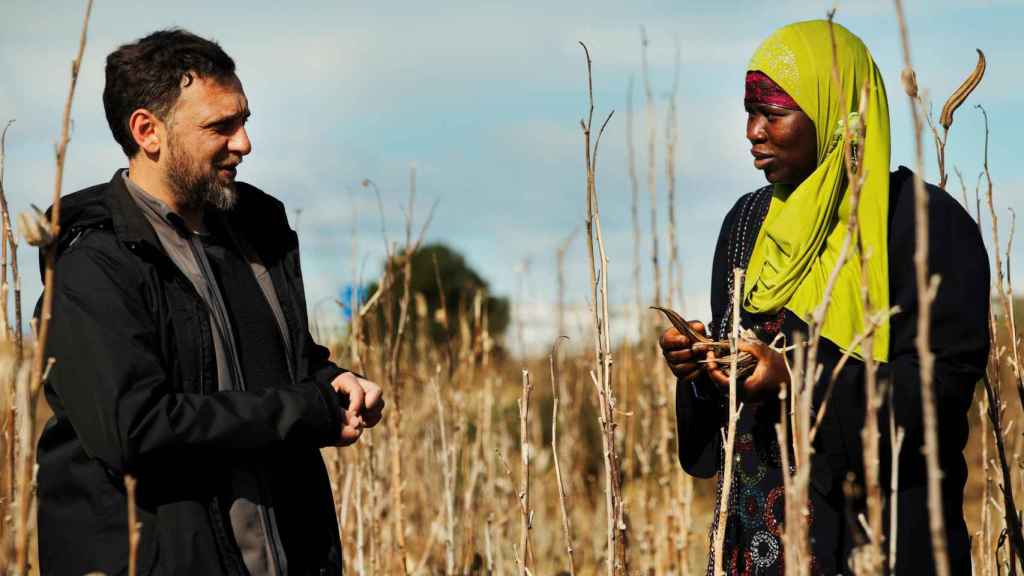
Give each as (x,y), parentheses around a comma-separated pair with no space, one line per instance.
(802,237)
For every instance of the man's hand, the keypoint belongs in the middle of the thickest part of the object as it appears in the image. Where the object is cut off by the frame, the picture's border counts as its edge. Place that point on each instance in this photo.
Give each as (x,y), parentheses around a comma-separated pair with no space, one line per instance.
(678,351)
(763,383)
(365,405)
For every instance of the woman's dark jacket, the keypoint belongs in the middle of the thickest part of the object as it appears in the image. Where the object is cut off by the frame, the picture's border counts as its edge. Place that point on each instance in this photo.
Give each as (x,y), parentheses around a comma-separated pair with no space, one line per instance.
(133,390)
(959,340)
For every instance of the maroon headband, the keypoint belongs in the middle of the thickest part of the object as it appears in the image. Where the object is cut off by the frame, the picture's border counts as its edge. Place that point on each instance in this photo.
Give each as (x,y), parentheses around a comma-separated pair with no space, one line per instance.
(763,90)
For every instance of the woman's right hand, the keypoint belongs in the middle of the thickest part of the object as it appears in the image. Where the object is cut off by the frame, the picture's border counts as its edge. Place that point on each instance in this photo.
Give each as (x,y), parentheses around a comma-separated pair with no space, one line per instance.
(678,351)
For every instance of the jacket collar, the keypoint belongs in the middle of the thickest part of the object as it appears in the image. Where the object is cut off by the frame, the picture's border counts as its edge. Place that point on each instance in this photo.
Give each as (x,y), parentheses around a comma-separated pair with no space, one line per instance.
(130,224)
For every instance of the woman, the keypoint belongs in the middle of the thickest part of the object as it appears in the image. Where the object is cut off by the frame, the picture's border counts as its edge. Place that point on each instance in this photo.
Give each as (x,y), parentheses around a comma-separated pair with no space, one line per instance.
(788,237)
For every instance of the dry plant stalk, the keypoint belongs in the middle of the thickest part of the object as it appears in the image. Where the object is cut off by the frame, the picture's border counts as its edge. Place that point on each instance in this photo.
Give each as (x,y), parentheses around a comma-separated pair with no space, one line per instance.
(896,435)
(926,289)
(675,273)
(730,438)
(652,187)
(134,527)
(1003,289)
(10,255)
(26,490)
(853,140)
(790,552)
(7,434)
(562,500)
(617,557)
(524,487)
(394,339)
(992,384)
(448,475)
(634,212)
(563,247)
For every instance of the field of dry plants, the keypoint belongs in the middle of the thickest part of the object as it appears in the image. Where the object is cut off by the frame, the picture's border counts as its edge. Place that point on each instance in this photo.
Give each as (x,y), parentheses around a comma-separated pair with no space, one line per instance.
(558,464)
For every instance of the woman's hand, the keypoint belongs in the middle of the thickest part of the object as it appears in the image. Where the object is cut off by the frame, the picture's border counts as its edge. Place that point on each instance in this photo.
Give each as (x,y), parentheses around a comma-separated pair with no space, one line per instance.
(678,351)
(766,379)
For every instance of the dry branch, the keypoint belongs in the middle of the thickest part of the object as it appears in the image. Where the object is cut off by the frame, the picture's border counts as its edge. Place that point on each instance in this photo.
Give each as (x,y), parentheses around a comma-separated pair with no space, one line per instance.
(26,491)
(617,557)
(562,500)
(730,437)
(926,289)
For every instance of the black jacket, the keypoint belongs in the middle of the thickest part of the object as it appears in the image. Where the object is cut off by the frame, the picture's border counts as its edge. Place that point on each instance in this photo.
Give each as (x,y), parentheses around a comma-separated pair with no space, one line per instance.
(134,391)
(960,342)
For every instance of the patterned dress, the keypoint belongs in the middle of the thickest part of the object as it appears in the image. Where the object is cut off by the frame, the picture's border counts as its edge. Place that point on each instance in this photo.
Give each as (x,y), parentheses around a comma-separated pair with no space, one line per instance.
(753,530)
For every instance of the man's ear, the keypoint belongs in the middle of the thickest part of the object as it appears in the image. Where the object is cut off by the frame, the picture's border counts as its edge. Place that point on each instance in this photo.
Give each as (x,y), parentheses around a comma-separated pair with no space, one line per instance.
(147,130)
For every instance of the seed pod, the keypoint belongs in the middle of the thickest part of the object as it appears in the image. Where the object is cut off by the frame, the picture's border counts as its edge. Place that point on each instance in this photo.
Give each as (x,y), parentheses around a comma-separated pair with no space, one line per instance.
(745,362)
(682,325)
(961,94)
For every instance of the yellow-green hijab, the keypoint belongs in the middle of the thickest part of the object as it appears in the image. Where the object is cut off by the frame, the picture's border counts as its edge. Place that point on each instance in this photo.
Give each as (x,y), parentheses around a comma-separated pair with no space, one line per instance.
(800,241)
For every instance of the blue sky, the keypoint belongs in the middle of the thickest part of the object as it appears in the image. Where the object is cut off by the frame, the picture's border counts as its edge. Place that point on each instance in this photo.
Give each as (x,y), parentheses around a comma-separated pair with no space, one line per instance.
(484,98)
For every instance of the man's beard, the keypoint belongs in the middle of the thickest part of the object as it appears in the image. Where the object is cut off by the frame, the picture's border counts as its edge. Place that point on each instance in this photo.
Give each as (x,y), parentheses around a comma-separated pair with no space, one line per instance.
(194,186)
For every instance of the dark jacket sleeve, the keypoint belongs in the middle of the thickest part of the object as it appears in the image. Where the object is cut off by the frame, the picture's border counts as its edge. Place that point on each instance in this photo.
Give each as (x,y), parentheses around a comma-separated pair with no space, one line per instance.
(699,415)
(110,379)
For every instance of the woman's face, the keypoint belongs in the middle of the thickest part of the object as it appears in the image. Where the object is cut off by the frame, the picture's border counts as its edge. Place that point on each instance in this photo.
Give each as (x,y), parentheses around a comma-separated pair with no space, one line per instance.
(783,142)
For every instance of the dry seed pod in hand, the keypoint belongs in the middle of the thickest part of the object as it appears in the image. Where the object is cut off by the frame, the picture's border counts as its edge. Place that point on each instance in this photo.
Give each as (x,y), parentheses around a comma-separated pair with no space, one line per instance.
(745,363)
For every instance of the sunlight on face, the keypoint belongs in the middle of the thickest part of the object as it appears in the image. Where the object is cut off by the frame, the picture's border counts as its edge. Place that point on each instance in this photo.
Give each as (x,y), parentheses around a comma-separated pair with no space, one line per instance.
(206,141)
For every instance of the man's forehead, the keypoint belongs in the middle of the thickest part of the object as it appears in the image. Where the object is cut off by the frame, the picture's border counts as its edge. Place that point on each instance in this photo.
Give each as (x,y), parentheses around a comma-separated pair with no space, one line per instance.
(210,96)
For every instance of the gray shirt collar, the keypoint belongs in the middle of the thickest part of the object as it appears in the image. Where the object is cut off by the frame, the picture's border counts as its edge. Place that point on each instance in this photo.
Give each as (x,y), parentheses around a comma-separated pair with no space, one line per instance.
(153,206)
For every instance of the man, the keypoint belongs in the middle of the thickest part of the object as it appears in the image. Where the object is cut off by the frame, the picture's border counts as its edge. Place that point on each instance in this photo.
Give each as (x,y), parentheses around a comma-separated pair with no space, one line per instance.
(183,355)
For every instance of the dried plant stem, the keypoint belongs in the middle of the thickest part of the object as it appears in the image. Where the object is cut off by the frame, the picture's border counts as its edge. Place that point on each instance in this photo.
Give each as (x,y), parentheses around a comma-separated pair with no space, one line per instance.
(1013,524)
(134,527)
(652,182)
(634,212)
(563,247)
(6,247)
(896,435)
(985,542)
(798,501)
(853,138)
(675,272)
(524,487)
(562,500)
(1002,280)
(39,362)
(789,536)
(926,289)
(730,437)
(7,435)
(669,473)
(360,522)
(448,479)
(617,557)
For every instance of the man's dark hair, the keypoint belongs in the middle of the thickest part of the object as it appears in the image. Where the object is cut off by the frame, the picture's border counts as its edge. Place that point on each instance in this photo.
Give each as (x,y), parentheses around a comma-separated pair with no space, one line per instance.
(149,74)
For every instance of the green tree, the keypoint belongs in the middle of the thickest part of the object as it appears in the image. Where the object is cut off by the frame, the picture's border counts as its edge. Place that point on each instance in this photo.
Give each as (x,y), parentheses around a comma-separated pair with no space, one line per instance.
(436,267)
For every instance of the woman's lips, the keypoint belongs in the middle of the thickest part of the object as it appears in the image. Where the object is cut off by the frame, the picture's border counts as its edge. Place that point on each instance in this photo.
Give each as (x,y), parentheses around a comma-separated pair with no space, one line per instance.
(761,160)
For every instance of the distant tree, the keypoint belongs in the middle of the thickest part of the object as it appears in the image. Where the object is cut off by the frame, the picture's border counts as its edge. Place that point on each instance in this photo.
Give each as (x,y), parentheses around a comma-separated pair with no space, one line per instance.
(460,284)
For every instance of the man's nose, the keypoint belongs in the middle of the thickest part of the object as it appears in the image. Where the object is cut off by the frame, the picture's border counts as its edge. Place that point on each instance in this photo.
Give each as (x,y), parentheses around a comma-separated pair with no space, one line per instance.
(239,142)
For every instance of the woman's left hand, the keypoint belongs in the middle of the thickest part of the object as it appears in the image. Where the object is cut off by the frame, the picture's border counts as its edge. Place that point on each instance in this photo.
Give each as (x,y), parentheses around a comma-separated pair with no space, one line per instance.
(766,379)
